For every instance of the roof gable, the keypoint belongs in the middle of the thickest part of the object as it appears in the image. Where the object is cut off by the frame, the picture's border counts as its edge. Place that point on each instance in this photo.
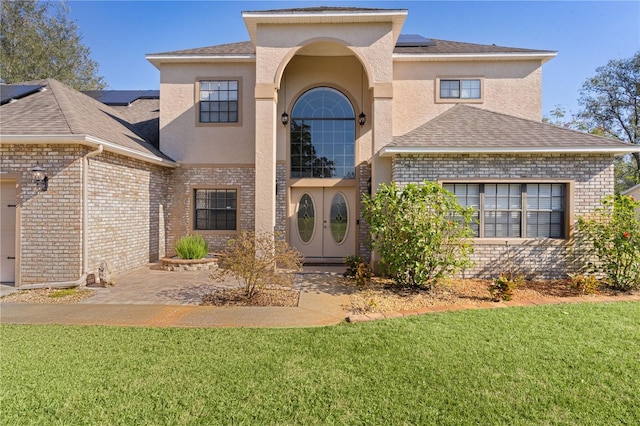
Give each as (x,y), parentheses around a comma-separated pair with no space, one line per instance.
(59,110)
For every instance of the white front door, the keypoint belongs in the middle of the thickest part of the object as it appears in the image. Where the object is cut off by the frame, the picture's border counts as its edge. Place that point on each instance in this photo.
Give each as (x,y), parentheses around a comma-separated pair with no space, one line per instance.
(7,231)
(322,222)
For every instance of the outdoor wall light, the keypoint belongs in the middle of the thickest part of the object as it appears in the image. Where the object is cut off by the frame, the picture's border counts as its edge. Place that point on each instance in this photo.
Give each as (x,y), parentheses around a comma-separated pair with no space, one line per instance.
(284,118)
(39,177)
(362,118)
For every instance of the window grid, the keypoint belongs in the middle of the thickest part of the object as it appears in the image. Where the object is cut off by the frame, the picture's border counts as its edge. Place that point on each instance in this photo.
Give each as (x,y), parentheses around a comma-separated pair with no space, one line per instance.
(535,210)
(219,101)
(460,89)
(215,209)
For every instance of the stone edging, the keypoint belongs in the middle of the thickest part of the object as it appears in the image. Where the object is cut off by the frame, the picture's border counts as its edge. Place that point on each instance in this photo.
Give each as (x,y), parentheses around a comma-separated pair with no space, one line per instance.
(373,316)
(173,264)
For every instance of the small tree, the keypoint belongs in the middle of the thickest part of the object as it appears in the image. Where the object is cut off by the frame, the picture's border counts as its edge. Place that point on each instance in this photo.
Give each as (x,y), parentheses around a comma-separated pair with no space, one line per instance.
(258,260)
(612,235)
(421,233)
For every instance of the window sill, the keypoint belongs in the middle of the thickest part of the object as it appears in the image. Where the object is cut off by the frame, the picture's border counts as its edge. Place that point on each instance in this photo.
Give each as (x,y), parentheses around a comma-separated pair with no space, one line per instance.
(521,241)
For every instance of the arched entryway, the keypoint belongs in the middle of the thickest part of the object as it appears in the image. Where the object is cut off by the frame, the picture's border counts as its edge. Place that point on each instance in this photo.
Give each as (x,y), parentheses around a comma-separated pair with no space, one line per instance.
(322,167)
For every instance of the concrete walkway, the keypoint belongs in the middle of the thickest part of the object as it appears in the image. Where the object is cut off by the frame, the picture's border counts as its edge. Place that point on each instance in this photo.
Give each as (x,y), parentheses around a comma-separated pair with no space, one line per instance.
(148,297)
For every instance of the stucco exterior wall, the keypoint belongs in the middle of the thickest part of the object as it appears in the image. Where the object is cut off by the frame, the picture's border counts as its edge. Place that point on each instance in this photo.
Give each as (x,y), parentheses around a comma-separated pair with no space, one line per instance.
(182,183)
(127,202)
(592,179)
(513,88)
(49,225)
(183,138)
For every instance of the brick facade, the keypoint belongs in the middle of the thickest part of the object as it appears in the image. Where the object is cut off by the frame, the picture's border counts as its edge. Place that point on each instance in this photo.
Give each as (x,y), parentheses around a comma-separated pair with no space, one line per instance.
(185,179)
(127,202)
(126,212)
(50,235)
(364,186)
(592,176)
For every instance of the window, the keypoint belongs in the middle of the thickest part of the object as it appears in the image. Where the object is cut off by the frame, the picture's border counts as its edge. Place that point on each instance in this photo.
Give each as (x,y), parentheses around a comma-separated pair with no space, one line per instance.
(323,129)
(527,210)
(218,101)
(215,209)
(460,89)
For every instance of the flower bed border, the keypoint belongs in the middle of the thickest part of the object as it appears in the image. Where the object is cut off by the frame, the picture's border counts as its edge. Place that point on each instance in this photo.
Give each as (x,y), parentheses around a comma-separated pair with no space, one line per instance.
(179,265)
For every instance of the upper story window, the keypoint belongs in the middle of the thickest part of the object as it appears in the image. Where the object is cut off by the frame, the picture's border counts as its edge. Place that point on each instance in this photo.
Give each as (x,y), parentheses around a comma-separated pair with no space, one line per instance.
(459,89)
(515,210)
(323,129)
(218,101)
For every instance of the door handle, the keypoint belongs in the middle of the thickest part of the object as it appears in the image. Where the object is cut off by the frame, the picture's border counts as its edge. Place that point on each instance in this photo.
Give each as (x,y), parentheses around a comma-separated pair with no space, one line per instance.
(11,257)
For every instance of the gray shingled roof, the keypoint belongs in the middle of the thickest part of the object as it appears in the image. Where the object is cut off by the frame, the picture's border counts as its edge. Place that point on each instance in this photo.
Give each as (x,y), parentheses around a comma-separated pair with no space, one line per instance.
(465,128)
(61,110)
(440,47)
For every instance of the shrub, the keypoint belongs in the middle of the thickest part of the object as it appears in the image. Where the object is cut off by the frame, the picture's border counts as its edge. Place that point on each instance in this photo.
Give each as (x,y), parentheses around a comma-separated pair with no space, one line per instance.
(357,269)
(258,261)
(587,284)
(502,287)
(612,235)
(192,247)
(421,233)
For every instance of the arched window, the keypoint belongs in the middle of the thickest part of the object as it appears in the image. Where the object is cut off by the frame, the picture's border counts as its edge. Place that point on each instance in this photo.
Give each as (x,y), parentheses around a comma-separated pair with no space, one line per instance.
(323,132)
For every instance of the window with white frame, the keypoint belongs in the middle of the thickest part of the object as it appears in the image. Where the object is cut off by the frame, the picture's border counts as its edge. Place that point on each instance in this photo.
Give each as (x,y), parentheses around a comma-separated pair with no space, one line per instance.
(515,210)
(469,88)
(218,100)
(216,209)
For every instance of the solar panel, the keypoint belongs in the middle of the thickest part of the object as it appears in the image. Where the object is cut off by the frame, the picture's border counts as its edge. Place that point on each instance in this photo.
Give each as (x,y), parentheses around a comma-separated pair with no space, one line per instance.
(11,92)
(414,40)
(122,97)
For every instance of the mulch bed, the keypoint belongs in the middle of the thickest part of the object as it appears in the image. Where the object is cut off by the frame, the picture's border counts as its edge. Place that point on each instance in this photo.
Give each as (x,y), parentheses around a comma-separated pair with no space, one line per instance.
(46,295)
(265,297)
(381,295)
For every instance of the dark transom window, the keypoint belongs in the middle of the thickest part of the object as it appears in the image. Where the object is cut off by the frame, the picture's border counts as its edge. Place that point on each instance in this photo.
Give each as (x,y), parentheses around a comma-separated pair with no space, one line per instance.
(216,209)
(527,210)
(219,101)
(323,130)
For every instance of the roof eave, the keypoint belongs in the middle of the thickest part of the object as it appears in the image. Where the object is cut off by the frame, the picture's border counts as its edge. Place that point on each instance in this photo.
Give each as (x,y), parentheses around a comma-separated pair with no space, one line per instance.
(158,60)
(435,57)
(87,140)
(390,151)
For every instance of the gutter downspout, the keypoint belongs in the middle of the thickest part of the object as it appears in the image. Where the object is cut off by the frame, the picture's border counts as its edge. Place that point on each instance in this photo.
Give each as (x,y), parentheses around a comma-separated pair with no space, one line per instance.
(85,231)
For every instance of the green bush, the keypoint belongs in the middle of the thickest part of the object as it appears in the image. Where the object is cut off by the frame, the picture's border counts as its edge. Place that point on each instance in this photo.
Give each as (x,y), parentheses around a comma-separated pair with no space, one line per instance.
(192,247)
(502,287)
(420,233)
(612,235)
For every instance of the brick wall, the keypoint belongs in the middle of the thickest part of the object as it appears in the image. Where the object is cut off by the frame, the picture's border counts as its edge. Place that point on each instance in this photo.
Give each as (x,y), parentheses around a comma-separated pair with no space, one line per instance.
(593,176)
(51,222)
(364,246)
(127,200)
(186,178)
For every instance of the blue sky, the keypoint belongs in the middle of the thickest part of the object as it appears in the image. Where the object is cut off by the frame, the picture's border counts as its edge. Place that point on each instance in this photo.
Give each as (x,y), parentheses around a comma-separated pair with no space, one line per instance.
(585,34)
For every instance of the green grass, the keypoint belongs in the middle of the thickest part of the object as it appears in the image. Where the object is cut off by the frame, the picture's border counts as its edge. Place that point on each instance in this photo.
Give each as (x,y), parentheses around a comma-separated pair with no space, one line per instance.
(566,364)
(63,293)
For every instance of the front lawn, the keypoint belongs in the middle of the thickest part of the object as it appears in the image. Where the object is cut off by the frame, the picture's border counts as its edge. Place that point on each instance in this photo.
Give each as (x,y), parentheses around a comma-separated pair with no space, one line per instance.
(561,364)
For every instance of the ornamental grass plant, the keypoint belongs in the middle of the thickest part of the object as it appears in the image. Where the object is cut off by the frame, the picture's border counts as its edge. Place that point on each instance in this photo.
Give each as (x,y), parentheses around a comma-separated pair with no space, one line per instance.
(192,247)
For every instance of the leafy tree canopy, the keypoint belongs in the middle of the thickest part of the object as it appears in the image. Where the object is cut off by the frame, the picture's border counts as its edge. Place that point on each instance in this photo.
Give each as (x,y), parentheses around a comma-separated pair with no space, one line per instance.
(38,40)
(611,104)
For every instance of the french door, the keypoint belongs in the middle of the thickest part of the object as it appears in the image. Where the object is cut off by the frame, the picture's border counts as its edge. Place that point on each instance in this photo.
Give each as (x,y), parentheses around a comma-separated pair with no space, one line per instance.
(322,222)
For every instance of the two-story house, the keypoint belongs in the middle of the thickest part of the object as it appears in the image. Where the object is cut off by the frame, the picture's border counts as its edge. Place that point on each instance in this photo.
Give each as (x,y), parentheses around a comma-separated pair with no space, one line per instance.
(287,131)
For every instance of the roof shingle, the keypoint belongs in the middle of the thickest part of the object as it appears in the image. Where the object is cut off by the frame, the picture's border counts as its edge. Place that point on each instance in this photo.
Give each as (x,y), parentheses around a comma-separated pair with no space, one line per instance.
(61,110)
(464,127)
